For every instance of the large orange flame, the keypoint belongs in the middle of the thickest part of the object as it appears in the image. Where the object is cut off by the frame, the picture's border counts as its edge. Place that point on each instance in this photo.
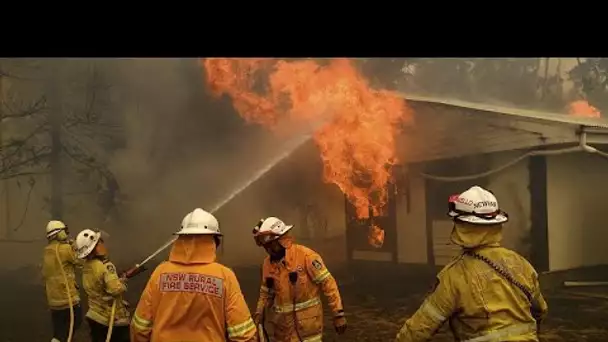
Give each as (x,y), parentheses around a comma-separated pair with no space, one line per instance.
(583,108)
(358,124)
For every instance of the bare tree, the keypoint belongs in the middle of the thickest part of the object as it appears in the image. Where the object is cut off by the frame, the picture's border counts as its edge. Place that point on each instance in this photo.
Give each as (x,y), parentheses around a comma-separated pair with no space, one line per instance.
(62,123)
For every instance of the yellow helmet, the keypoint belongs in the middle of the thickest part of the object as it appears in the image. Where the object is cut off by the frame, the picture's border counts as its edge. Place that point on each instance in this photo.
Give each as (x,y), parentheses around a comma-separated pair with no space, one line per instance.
(54,227)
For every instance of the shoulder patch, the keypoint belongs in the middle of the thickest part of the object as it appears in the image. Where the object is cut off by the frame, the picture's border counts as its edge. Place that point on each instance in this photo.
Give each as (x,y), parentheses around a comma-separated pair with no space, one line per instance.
(317,264)
(111,268)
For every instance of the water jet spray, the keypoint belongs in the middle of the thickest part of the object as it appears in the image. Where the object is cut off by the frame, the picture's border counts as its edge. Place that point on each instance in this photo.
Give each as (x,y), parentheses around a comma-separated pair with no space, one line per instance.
(289,149)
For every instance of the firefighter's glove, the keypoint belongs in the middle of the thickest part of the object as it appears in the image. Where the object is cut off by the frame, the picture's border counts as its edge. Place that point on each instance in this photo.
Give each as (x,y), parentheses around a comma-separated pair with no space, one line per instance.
(256,319)
(340,323)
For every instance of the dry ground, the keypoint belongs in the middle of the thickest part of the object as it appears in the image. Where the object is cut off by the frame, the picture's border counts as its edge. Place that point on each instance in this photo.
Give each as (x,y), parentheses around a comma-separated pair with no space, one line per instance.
(376,307)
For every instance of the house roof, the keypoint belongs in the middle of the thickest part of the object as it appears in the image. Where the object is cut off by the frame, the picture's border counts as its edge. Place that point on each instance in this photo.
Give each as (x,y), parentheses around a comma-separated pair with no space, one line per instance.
(446,128)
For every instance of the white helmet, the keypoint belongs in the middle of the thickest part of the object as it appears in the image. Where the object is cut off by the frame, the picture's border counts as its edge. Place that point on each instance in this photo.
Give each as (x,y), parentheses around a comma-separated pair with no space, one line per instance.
(54,227)
(85,242)
(199,222)
(269,229)
(476,206)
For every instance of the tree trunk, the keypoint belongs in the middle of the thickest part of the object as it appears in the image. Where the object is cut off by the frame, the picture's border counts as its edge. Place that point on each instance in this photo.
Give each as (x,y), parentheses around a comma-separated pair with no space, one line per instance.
(546,80)
(6,199)
(56,121)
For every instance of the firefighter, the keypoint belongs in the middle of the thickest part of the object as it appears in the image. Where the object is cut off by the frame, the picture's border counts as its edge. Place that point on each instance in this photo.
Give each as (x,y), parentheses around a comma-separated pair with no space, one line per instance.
(488,292)
(292,277)
(191,297)
(108,313)
(58,269)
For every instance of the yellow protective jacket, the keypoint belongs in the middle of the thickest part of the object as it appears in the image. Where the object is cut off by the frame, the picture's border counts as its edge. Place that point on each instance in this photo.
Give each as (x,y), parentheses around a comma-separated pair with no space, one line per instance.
(192,298)
(103,286)
(59,258)
(479,304)
(312,278)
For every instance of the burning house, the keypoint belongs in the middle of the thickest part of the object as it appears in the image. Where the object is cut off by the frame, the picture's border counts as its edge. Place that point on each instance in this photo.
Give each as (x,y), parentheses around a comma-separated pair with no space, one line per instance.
(541,166)
(545,169)
(372,183)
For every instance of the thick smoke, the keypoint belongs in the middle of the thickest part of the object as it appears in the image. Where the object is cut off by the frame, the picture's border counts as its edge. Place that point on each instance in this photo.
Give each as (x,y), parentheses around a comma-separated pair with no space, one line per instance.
(185,149)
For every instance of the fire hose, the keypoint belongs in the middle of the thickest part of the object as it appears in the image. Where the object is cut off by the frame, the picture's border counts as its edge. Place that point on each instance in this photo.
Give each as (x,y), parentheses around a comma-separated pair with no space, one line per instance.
(67,290)
(111,322)
(126,275)
(139,267)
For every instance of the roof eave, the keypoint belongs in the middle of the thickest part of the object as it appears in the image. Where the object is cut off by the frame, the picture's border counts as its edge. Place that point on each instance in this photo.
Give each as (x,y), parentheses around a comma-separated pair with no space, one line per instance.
(515,113)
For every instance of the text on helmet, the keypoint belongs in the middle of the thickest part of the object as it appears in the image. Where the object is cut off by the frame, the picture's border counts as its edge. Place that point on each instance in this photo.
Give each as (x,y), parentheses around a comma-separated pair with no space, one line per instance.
(276,225)
(464,201)
(485,204)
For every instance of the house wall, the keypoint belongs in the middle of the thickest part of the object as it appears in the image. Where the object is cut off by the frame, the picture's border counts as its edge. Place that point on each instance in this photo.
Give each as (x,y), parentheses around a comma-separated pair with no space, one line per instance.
(411,219)
(577,210)
(511,189)
(509,185)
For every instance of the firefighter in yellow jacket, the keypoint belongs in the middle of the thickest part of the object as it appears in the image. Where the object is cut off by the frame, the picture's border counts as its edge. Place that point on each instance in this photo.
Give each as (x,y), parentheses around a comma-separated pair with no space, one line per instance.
(292,277)
(191,297)
(59,262)
(487,293)
(104,289)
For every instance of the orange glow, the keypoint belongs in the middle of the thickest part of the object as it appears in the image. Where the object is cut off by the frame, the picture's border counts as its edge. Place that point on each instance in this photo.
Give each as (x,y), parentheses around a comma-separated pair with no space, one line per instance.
(583,108)
(358,124)
(375,236)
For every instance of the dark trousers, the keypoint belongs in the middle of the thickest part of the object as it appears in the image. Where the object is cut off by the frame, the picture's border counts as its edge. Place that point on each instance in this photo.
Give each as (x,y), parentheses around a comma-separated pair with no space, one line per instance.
(100,331)
(61,322)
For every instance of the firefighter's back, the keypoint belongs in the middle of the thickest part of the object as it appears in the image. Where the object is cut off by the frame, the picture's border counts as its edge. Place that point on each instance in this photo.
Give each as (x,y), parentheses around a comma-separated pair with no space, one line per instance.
(55,266)
(191,297)
(191,302)
(488,301)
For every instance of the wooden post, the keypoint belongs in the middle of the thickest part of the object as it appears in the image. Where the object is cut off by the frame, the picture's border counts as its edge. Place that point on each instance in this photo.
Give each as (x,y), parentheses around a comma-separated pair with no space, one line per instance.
(539,232)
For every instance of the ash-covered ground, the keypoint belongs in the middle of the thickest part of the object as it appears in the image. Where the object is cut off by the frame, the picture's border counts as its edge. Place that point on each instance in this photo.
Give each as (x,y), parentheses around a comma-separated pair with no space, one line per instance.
(376,306)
